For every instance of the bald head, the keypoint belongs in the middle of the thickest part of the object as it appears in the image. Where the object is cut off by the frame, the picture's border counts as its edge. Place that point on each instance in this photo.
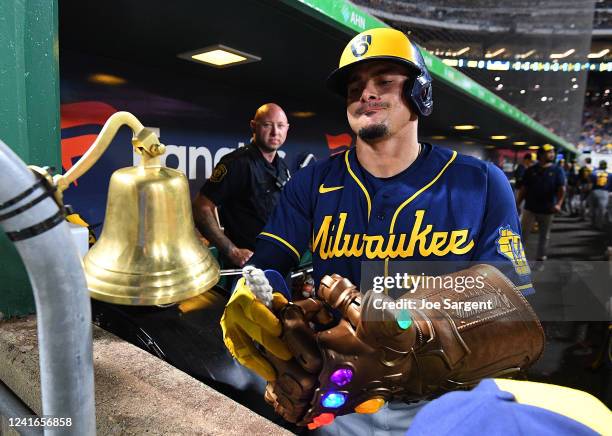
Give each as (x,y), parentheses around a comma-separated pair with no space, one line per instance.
(269,126)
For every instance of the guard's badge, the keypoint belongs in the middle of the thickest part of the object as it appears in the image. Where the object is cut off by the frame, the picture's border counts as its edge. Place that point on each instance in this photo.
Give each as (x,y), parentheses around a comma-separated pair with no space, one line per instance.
(218,173)
(509,245)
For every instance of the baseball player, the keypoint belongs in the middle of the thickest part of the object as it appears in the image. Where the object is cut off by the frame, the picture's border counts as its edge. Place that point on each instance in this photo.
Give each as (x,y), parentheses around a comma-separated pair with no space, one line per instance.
(389,198)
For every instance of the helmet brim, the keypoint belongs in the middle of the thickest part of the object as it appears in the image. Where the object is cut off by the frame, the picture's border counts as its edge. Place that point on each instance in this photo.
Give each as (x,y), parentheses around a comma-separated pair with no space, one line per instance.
(337,80)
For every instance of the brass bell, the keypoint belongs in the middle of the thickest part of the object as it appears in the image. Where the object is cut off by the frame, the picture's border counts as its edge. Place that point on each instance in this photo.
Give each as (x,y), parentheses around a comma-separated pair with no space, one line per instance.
(148,252)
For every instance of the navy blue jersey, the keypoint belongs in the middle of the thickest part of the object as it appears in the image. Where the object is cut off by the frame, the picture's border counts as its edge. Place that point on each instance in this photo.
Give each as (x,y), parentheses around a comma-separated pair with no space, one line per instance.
(601,179)
(541,184)
(445,206)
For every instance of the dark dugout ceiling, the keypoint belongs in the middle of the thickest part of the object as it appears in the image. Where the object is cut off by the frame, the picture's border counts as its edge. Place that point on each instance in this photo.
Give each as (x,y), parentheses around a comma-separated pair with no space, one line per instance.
(298,47)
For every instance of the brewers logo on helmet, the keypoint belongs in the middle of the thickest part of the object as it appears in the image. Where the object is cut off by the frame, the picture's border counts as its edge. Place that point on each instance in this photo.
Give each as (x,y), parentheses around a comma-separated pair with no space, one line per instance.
(386,44)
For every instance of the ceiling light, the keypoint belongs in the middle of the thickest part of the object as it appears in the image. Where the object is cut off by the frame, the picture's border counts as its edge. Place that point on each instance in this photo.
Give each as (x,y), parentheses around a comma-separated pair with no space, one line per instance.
(533,147)
(543,99)
(536,86)
(522,91)
(573,79)
(302,114)
(500,86)
(219,56)
(107,79)
(519,143)
(599,54)
(465,127)
(438,137)
(497,78)
(575,86)
(499,137)
(489,146)
(562,55)
(495,53)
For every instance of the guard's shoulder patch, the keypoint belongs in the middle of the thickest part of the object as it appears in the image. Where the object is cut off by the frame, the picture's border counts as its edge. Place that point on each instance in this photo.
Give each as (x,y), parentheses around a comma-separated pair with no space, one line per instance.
(218,173)
(509,245)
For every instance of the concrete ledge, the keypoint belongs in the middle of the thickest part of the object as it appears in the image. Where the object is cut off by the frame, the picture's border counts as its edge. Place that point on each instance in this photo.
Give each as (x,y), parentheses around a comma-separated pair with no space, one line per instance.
(136,393)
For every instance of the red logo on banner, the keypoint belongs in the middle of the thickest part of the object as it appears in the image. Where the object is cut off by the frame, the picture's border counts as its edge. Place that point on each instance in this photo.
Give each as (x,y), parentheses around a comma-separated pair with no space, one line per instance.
(338,143)
(81,114)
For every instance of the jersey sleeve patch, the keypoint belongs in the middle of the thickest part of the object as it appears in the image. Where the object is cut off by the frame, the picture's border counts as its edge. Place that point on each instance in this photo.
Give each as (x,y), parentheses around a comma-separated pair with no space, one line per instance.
(509,244)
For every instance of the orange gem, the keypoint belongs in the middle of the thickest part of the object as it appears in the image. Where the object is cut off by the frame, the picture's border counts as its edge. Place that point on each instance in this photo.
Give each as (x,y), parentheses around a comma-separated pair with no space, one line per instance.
(372,405)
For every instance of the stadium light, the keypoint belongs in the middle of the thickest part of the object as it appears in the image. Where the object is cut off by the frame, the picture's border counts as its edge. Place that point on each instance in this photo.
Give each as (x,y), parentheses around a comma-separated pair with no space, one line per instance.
(526,54)
(562,55)
(499,137)
(519,143)
(533,147)
(465,127)
(219,56)
(599,54)
(463,50)
(489,55)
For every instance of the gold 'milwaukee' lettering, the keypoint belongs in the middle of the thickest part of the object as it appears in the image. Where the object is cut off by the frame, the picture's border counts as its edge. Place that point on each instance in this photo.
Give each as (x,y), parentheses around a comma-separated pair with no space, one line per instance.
(428,243)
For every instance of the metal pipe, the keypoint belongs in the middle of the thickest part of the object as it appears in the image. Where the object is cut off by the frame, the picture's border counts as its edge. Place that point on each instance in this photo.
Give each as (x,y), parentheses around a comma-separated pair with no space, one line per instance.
(11,406)
(36,225)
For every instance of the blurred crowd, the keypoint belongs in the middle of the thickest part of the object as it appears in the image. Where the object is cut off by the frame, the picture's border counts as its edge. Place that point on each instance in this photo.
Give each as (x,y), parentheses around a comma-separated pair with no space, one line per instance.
(587,188)
(466,12)
(596,133)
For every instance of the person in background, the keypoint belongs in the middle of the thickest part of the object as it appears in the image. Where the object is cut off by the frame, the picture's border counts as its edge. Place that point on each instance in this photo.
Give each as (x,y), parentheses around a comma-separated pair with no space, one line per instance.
(571,175)
(245,186)
(584,188)
(543,190)
(519,171)
(601,181)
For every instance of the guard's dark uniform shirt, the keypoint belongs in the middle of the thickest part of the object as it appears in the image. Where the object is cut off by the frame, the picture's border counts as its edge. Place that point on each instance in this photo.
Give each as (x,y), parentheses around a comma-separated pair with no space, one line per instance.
(246,187)
(542,184)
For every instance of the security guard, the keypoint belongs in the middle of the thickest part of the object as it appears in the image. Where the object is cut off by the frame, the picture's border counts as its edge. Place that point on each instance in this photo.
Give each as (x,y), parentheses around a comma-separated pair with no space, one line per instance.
(245,186)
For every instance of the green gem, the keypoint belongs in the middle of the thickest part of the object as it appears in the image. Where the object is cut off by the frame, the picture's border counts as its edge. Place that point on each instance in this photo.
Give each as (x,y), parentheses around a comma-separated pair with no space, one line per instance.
(404,320)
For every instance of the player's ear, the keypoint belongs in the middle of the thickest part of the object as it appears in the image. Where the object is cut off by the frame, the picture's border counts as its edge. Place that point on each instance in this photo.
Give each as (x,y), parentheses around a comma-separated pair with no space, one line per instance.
(252,124)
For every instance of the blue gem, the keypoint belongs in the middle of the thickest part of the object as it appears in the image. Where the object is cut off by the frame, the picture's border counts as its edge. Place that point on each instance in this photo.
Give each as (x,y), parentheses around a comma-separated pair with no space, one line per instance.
(333,400)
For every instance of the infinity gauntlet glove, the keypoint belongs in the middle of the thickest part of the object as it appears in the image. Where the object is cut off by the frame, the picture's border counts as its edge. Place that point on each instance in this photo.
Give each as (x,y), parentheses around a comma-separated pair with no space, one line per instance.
(381,351)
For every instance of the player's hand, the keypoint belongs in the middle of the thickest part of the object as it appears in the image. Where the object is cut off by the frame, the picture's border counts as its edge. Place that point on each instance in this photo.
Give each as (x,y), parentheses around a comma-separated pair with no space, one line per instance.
(240,256)
(247,320)
(292,392)
(556,208)
(299,392)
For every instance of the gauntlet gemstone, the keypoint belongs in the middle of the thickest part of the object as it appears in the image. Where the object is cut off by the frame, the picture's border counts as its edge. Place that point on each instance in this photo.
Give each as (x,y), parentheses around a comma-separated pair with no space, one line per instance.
(370,406)
(342,376)
(333,400)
